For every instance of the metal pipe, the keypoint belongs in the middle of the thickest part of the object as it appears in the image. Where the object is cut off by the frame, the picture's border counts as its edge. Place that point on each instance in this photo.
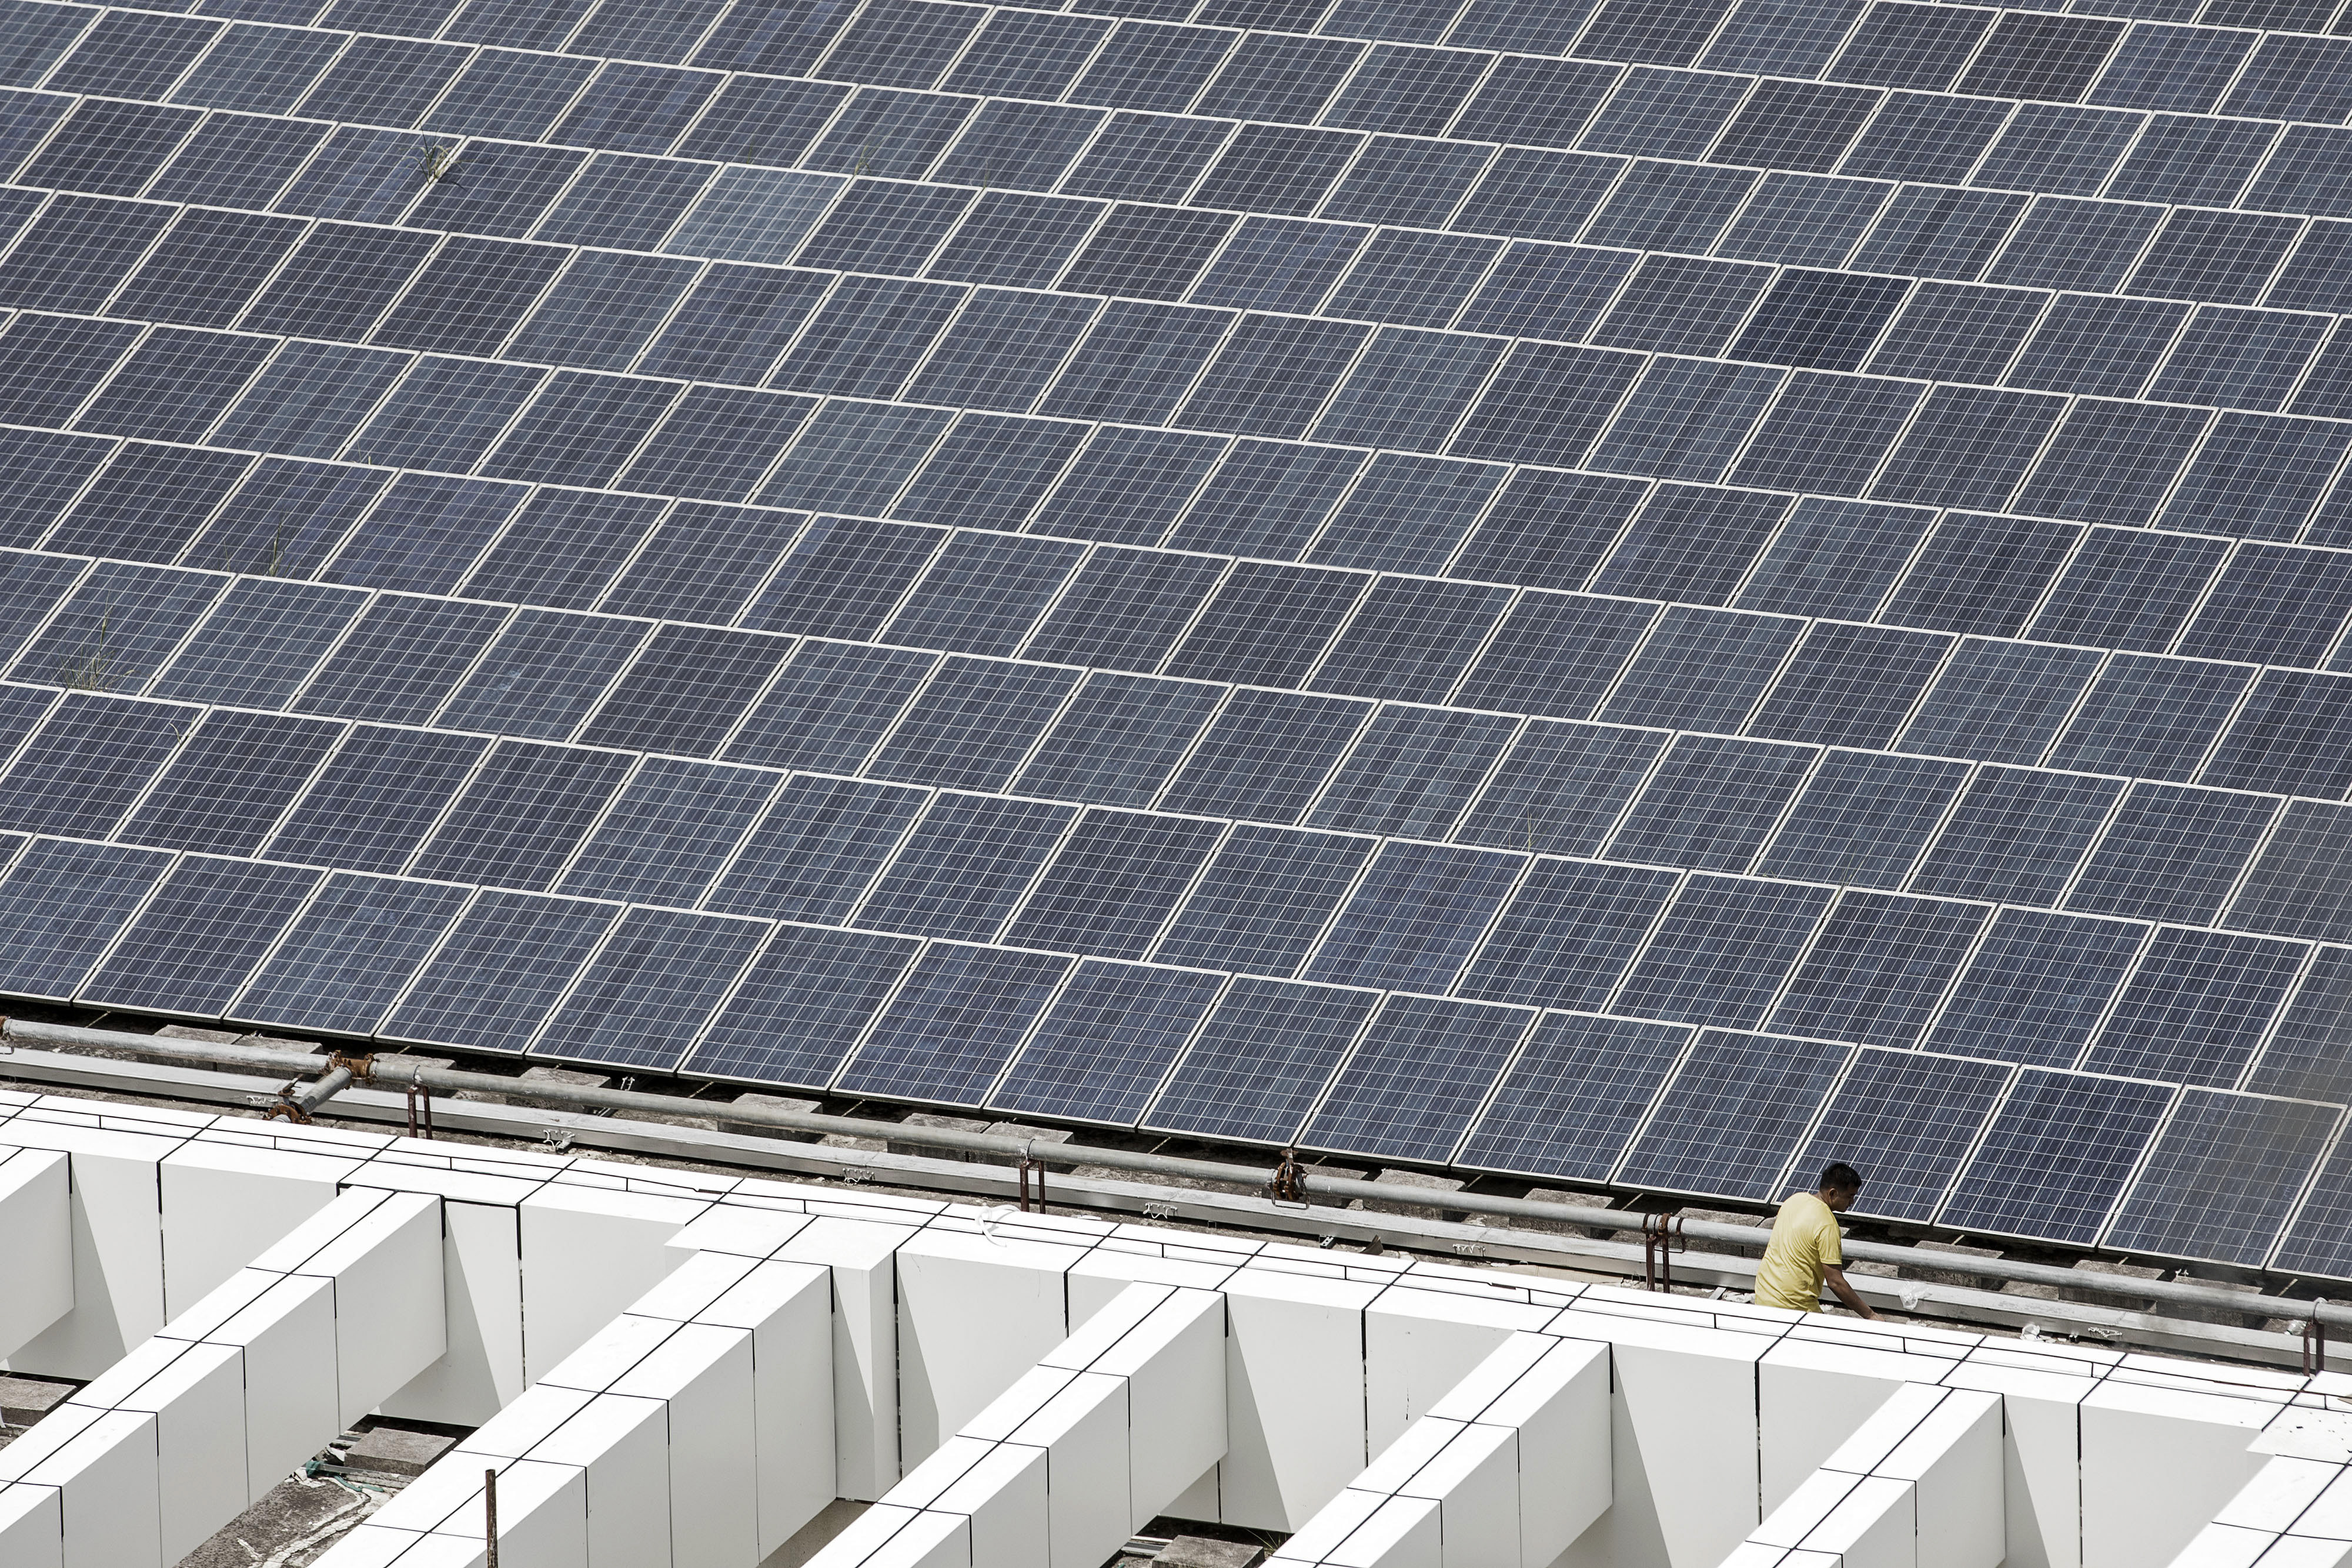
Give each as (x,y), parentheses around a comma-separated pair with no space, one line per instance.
(1010,1151)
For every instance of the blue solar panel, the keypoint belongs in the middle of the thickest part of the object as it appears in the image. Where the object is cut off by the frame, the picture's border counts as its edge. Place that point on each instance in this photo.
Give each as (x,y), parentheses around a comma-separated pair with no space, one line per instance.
(1905,1120)
(1853,488)
(1731,1117)
(2056,1155)
(953,1024)
(1260,1061)
(1420,1073)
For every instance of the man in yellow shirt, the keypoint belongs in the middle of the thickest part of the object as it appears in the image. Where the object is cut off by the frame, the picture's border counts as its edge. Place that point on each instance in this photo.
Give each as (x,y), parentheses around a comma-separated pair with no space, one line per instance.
(1805,1248)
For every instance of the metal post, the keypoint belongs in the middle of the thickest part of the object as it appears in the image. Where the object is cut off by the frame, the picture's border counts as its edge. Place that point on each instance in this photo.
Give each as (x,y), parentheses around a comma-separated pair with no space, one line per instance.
(2315,1342)
(490,1515)
(1662,1237)
(420,1110)
(1026,1169)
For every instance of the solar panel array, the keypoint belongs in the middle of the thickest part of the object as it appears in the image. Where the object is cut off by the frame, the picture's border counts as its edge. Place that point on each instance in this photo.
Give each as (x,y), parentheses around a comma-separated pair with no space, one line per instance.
(1648,592)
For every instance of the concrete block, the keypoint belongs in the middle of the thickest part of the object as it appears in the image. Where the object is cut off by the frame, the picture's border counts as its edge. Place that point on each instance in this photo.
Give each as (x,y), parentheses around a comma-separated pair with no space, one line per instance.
(1202,1552)
(1174,1364)
(704,1373)
(929,1541)
(106,1480)
(397,1450)
(787,1308)
(37,1238)
(1294,1395)
(2224,1547)
(198,1406)
(1875,1525)
(1475,1481)
(1682,1443)
(1560,1409)
(1082,1430)
(695,1280)
(542,1516)
(2042,1498)
(1005,1497)
(587,1253)
(974,1312)
(224,1205)
(1402,1532)
(32,1526)
(34,1447)
(287,1335)
(621,1446)
(1952,1462)
(609,1353)
(2303,1552)
(1090,1340)
(1331,1527)
(2158,1465)
(24,1400)
(481,1366)
(523,1425)
(116,1215)
(1812,1396)
(734,1229)
(390,1300)
(861,1261)
(1417,1344)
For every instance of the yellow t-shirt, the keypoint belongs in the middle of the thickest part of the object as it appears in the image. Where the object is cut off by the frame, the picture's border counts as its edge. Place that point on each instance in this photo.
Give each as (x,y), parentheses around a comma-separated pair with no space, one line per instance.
(1804,1240)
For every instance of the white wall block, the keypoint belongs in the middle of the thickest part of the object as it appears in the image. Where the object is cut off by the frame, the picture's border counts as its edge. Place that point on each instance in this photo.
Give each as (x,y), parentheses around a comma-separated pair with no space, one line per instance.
(704,1373)
(288,1336)
(729,1227)
(481,1367)
(587,1253)
(1812,1396)
(105,1476)
(198,1403)
(32,1526)
(621,1445)
(862,1261)
(1082,1430)
(2158,1464)
(1294,1395)
(1682,1444)
(974,1312)
(37,1239)
(543,1517)
(2042,1493)
(1953,1463)
(1174,1364)
(225,1204)
(1560,1408)
(390,1318)
(118,1248)
(1417,1344)
(929,1541)
(787,1308)
(1002,1498)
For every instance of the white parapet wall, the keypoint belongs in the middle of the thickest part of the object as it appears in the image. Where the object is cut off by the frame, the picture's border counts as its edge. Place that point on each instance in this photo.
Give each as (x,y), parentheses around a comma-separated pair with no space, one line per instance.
(672,1370)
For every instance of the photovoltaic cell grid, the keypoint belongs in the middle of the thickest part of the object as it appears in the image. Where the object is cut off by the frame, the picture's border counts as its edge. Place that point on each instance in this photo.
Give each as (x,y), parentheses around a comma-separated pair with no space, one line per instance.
(1614,592)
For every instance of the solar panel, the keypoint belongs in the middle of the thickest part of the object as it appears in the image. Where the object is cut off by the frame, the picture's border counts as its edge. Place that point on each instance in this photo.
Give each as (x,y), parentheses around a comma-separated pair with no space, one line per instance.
(1260,1061)
(1905,1120)
(1734,1111)
(499,971)
(207,924)
(1574,1096)
(2192,1200)
(1107,1040)
(2056,1155)
(1420,1074)
(646,993)
(345,957)
(953,1024)
(1816,517)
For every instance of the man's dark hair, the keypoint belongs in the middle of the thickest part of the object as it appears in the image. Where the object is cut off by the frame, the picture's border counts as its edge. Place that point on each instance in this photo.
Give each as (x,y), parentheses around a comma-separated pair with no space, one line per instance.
(1841,1177)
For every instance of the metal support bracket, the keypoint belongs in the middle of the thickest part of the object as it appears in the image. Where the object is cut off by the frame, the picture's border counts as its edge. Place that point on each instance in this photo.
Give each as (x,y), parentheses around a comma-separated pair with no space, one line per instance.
(1662,1238)
(1288,1185)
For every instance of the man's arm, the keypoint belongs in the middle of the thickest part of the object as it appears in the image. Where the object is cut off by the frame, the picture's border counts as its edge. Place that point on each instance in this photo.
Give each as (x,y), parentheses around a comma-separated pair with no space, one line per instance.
(1834,1275)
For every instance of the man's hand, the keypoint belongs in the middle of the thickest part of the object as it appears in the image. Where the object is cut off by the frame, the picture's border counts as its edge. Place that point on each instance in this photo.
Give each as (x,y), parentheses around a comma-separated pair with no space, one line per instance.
(1835,1280)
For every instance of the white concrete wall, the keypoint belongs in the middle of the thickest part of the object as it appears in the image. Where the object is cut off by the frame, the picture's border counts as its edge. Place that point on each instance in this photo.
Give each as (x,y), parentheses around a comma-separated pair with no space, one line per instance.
(672,1369)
